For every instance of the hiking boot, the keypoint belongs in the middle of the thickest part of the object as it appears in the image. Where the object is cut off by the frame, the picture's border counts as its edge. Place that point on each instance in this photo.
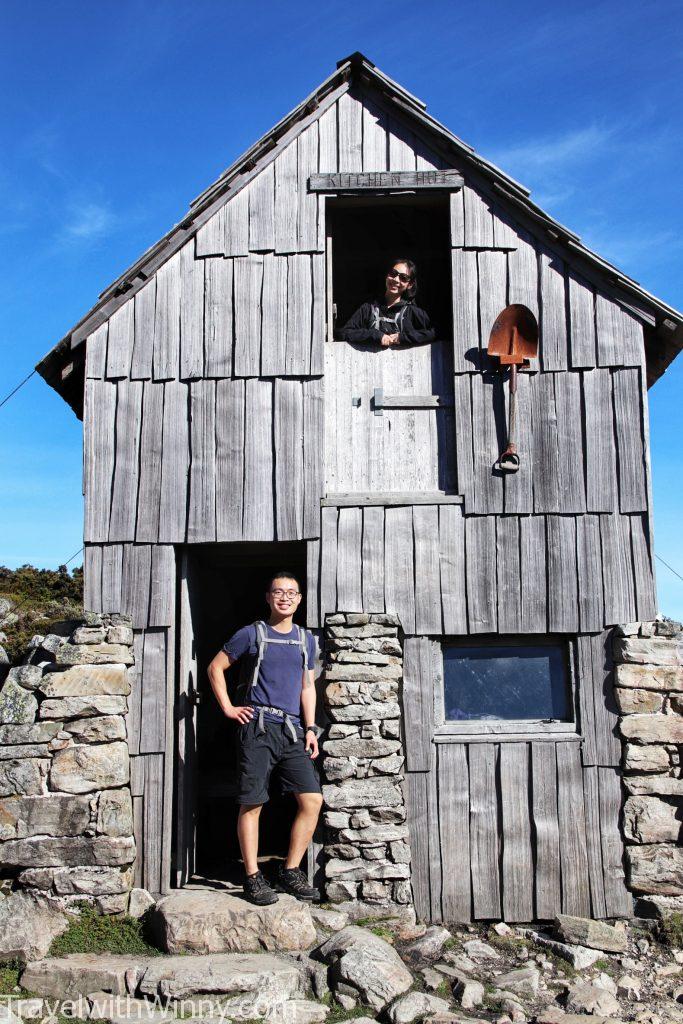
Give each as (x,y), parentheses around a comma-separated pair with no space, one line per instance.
(257,890)
(294,881)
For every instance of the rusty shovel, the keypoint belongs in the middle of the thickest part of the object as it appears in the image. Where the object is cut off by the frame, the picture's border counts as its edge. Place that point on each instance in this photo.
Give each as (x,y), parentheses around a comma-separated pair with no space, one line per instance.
(514,341)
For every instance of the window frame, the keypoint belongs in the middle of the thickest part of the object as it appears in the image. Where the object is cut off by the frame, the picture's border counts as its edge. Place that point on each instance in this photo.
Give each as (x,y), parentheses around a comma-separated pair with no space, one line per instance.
(446,731)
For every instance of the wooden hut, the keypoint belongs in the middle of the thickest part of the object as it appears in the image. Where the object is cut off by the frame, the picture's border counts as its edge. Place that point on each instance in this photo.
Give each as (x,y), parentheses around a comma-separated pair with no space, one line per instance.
(227,433)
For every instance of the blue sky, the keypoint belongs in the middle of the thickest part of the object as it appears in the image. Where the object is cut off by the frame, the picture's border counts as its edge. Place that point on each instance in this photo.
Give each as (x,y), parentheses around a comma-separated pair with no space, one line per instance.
(115,115)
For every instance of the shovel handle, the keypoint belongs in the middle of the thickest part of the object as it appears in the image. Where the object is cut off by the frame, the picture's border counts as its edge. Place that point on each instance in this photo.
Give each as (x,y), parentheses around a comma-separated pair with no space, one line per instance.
(513,404)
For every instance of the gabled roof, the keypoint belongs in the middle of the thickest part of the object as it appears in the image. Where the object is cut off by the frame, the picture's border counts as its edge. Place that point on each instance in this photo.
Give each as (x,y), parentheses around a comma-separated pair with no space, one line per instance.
(664,339)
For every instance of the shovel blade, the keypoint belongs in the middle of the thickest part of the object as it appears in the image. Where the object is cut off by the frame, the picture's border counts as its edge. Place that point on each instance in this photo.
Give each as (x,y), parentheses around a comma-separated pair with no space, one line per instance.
(514,335)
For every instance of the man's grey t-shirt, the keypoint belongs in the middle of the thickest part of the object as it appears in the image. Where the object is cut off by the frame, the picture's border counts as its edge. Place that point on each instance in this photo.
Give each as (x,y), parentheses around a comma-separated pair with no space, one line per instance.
(280,673)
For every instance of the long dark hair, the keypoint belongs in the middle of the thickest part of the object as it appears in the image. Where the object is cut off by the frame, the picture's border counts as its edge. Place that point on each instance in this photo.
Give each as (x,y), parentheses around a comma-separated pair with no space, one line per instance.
(411,291)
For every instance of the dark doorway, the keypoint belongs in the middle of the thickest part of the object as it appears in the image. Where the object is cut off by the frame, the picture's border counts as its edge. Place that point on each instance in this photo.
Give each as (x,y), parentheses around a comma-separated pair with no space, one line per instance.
(225,587)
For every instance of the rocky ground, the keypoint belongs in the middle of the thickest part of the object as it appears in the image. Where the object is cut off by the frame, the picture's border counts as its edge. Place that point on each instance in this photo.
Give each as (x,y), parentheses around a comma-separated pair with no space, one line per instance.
(295,964)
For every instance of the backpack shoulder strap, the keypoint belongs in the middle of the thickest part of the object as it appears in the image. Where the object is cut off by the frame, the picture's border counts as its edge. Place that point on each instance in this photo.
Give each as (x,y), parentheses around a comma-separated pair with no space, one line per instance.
(375,316)
(261,640)
(303,644)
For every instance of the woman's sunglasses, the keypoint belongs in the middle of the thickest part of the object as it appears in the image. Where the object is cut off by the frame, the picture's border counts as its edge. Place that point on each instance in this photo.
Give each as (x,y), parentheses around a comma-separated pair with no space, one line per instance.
(403,278)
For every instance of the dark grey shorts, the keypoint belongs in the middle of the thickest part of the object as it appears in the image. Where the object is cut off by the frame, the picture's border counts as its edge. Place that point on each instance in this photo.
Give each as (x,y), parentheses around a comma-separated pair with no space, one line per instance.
(260,753)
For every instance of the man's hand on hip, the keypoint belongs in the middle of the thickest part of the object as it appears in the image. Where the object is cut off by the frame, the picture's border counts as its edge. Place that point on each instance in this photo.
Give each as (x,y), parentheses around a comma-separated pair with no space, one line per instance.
(241,714)
(311,741)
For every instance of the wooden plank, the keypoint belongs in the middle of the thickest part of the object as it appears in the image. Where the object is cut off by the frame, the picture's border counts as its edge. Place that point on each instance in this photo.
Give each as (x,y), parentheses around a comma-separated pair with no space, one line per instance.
(149,490)
(601,475)
(112,572)
(186,761)
(480,561)
(523,281)
(484,831)
(415,790)
(175,462)
(201,509)
(518,866)
(402,152)
(585,684)
(92,578)
(350,121)
(504,230)
(399,581)
(547,496)
(307,164)
(138,832)
(401,176)
(593,842)
(463,437)
(153,822)
(589,573)
(143,343)
(519,496)
(99,432)
(289,458)
(327,140)
(373,559)
(237,224)
(533,573)
(274,324)
(626,394)
(258,513)
(492,269)
(582,351)
(299,305)
(487,413)
(509,575)
(643,574)
(457,218)
(573,856)
(210,239)
(153,707)
(262,210)
(452,570)
(391,498)
(375,142)
(478,220)
(166,355)
(120,342)
(96,353)
(218,318)
(618,901)
(435,872)
(563,609)
(313,584)
(191,314)
(606,715)
(328,562)
(466,355)
(313,453)
(162,586)
(133,714)
(427,570)
(548,895)
(287,205)
(318,314)
(454,832)
(127,460)
(570,442)
(619,335)
(553,323)
(418,702)
(135,583)
(168,822)
(617,570)
(349,572)
(248,282)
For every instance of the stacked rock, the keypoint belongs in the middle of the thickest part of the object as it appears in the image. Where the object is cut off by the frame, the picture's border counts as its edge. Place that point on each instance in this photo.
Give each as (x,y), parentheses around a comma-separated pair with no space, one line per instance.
(367,851)
(66,821)
(649,694)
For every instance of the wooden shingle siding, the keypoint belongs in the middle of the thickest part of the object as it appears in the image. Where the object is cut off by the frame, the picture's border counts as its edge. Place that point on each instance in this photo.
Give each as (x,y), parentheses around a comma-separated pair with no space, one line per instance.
(262,211)
(99,426)
(258,521)
(644,576)
(619,335)
(480,561)
(454,832)
(572,822)
(151,436)
(218,331)
(120,342)
(523,273)
(288,440)
(112,578)
(166,357)
(349,552)
(237,224)
(126,460)
(627,397)
(581,322)
(452,570)
(547,881)
(191,315)
(553,321)
(229,458)
(96,353)
(518,866)
(174,463)
(92,578)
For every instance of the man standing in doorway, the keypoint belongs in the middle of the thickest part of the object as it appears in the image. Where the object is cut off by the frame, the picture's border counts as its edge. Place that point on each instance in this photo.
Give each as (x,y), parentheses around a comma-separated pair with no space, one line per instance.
(279,691)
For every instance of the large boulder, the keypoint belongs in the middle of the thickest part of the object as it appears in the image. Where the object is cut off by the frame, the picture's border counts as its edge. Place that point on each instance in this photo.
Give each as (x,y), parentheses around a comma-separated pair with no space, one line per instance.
(263,975)
(17,704)
(594,934)
(368,964)
(415,1005)
(427,946)
(85,768)
(27,927)
(657,868)
(199,921)
(79,973)
(586,997)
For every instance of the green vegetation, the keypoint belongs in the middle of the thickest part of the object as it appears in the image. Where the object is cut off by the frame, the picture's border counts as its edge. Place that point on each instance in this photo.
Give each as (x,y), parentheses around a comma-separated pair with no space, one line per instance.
(9,977)
(670,931)
(91,932)
(338,1013)
(40,599)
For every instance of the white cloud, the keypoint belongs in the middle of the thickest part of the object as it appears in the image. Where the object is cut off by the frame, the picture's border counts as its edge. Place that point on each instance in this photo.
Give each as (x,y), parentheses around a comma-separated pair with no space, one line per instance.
(558,151)
(88,221)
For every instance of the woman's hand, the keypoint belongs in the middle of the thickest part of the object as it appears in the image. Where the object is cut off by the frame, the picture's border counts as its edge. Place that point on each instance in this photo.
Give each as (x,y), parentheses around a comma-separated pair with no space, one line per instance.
(241,713)
(389,339)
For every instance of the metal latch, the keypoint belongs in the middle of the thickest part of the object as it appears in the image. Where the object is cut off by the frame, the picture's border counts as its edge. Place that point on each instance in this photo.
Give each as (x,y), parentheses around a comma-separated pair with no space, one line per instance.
(378,401)
(355,401)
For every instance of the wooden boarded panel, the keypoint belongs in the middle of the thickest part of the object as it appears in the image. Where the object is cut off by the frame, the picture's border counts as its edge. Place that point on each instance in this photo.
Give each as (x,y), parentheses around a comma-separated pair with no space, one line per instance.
(92,578)
(478,220)
(454,832)
(553,323)
(153,822)
(415,789)
(313,451)
(258,513)
(201,512)
(374,137)
(619,335)
(166,357)
(96,353)
(191,314)
(546,830)
(626,393)
(563,611)
(149,491)
(328,562)
(589,573)
(457,218)
(487,395)
(508,575)
(99,432)
(546,454)
(601,476)
(504,231)
(618,901)
(248,281)
(287,205)
(593,841)
(607,740)
(532,547)
(523,273)
(313,584)
(218,318)
(318,313)
(418,701)
(570,442)
(153,706)
(617,574)
(175,463)
(484,831)
(307,217)
(427,576)
(211,236)
(573,857)
(643,572)
(327,140)
(262,210)
(480,560)
(373,559)
(350,121)
(435,873)
(452,569)
(274,326)
(349,540)
(581,321)
(127,460)
(289,459)
(112,571)
(519,495)
(401,146)
(162,590)
(134,712)
(120,344)
(237,224)
(465,311)
(299,304)
(492,268)
(585,683)
(518,866)
(463,437)
(399,581)
(135,585)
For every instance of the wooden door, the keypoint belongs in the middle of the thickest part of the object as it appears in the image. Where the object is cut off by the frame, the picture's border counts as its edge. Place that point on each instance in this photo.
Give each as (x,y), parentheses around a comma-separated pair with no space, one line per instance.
(186,719)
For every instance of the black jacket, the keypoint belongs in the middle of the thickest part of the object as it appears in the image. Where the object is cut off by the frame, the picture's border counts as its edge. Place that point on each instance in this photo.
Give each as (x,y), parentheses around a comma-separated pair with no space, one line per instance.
(415,328)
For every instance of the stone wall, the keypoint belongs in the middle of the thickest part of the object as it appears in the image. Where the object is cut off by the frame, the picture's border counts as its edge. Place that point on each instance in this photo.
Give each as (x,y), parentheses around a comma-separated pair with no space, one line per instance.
(66,823)
(367,856)
(649,693)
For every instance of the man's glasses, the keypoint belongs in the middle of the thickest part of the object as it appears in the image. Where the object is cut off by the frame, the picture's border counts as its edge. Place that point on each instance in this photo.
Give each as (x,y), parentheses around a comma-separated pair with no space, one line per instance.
(291,594)
(403,278)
